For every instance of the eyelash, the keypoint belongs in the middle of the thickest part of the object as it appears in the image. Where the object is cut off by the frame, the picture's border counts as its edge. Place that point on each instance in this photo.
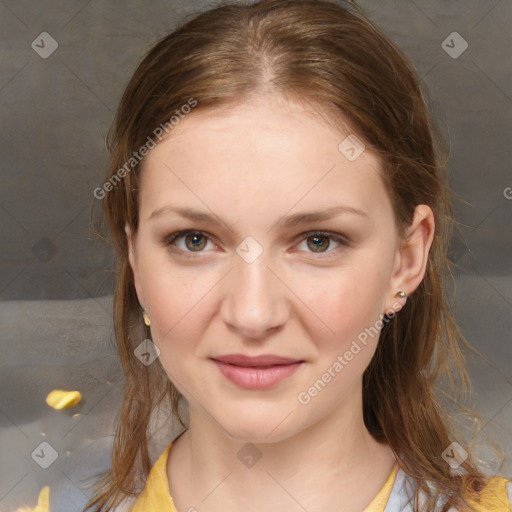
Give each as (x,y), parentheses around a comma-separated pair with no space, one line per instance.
(343,241)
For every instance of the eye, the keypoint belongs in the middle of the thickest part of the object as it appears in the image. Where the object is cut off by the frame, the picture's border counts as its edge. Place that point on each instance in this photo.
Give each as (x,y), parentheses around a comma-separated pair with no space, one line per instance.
(191,241)
(321,242)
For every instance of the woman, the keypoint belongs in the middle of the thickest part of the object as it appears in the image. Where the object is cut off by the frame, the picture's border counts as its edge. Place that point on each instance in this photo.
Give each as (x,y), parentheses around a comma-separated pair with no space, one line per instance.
(277,203)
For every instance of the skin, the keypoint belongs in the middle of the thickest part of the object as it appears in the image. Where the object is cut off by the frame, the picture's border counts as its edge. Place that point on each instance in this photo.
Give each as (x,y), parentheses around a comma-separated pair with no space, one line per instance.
(251,166)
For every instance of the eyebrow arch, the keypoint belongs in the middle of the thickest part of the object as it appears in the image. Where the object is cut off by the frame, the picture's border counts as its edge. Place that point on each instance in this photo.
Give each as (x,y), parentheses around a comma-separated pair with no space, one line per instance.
(287,221)
(318,216)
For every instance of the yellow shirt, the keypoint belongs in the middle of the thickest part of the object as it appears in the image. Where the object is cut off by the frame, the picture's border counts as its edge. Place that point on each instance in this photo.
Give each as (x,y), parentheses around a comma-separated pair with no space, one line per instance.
(156,497)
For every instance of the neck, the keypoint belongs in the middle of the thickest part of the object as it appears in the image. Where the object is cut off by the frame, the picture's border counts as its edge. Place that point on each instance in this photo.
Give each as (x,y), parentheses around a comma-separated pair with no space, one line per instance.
(335,461)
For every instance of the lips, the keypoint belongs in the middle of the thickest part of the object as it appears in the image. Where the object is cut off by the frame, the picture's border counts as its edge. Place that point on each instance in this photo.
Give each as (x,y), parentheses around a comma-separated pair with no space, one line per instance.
(258,372)
(264,360)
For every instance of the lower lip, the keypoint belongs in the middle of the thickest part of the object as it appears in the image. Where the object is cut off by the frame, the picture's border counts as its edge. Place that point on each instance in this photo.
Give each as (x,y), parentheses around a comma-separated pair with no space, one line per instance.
(257,378)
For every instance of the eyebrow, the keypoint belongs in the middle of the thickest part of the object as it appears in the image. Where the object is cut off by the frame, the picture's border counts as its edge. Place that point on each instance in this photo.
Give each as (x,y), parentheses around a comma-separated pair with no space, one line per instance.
(287,222)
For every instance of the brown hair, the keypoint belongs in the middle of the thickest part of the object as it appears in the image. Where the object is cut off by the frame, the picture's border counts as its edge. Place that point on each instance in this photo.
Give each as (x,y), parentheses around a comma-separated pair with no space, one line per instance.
(336,60)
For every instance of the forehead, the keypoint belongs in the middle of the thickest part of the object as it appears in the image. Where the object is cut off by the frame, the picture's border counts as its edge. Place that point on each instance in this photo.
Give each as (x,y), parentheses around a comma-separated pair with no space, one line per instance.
(260,156)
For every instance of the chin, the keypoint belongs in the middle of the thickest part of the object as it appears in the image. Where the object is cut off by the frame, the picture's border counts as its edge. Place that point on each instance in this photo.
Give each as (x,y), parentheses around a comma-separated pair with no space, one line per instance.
(259,428)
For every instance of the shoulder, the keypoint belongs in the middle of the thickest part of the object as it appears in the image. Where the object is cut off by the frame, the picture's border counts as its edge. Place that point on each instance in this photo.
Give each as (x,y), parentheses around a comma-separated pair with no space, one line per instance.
(155,495)
(496,496)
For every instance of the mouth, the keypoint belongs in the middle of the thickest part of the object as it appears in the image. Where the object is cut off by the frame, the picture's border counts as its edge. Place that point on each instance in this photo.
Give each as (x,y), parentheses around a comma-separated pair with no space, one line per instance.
(260,372)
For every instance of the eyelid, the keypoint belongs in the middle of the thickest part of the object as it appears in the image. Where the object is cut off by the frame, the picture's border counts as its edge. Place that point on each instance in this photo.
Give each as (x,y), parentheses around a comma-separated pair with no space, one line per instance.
(329,234)
(170,239)
(337,237)
(342,240)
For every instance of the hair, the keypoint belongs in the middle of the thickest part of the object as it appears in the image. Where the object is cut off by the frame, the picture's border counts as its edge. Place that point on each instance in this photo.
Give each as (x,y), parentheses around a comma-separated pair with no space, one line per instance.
(336,60)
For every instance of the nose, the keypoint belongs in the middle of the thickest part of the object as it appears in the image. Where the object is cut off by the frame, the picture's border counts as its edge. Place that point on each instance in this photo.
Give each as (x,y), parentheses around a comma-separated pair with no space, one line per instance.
(255,303)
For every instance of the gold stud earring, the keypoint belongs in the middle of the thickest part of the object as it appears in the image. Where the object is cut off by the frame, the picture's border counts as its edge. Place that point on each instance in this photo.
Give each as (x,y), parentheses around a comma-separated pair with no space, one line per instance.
(146,318)
(401,294)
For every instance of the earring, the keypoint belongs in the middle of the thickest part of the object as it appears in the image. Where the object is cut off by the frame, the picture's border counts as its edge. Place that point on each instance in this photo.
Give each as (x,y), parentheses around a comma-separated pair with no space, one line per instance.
(146,318)
(401,294)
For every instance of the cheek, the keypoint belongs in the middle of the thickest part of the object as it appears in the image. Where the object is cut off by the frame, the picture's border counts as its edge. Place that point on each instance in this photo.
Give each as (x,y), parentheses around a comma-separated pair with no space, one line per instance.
(342,357)
(180,316)
(344,301)
(177,302)
(348,307)
(170,290)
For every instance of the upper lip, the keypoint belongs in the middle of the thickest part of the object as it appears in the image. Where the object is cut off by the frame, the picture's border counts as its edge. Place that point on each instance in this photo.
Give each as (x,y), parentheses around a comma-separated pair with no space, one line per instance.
(262,360)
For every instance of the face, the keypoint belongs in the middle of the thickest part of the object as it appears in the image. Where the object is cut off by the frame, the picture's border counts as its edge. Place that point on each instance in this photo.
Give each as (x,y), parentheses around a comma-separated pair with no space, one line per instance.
(243,270)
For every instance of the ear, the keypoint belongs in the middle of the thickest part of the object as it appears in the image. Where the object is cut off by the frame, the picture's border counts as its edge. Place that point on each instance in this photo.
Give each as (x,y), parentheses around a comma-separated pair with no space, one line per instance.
(132,258)
(411,258)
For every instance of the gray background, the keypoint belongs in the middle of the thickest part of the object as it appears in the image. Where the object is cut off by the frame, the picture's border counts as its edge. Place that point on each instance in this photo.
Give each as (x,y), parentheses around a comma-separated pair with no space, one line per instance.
(56,275)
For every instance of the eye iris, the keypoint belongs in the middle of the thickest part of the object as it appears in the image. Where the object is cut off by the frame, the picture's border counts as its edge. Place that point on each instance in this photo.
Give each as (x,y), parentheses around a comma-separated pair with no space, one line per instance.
(195,237)
(317,241)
